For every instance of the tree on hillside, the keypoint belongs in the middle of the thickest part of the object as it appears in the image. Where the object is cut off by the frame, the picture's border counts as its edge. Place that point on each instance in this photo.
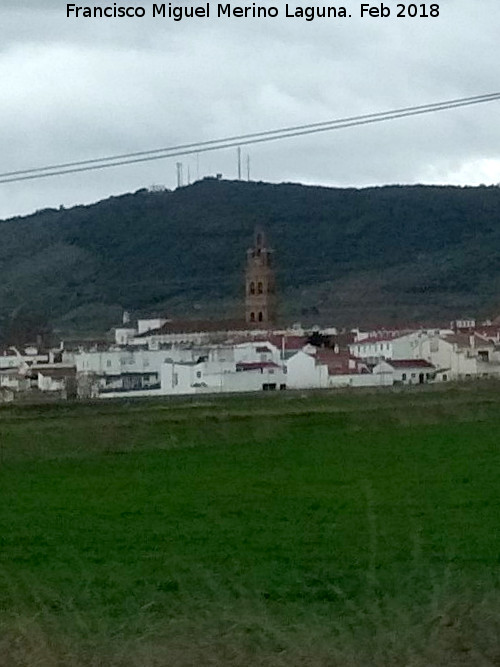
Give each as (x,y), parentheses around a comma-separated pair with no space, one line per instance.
(25,327)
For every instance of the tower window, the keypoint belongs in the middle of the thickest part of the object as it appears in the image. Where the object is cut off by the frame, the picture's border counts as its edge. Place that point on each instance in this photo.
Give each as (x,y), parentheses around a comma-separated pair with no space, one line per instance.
(260,288)
(252,288)
(252,317)
(261,317)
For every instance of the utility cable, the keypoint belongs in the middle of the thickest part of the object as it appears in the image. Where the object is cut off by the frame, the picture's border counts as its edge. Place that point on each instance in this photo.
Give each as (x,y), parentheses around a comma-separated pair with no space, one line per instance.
(238,140)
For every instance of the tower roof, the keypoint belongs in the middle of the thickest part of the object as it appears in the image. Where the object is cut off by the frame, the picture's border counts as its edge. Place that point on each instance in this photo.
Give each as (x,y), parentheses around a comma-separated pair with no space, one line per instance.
(260,240)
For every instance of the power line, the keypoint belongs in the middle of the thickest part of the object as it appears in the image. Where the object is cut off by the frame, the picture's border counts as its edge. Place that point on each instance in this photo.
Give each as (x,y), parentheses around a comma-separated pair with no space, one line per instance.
(246,138)
(238,140)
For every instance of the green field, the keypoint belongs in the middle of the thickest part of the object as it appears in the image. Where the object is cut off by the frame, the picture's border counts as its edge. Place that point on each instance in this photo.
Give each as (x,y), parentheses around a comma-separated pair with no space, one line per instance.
(292,529)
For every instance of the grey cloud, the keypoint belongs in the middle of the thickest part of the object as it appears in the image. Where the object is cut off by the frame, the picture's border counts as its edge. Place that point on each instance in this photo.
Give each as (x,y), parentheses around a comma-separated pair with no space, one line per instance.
(81,89)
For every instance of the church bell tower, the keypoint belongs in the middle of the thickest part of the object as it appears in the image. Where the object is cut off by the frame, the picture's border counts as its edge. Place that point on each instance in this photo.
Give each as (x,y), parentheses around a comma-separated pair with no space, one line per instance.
(260,299)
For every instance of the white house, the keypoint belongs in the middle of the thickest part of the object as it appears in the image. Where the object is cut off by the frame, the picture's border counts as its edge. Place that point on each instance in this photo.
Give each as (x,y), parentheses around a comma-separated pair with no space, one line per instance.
(56,378)
(122,370)
(205,377)
(326,368)
(13,359)
(128,360)
(15,379)
(261,350)
(143,326)
(249,366)
(124,335)
(383,346)
(412,345)
(462,356)
(464,323)
(405,371)
(305,371)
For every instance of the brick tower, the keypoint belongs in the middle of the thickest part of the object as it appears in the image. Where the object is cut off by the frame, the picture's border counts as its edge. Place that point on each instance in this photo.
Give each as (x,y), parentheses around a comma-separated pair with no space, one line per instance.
(260,299)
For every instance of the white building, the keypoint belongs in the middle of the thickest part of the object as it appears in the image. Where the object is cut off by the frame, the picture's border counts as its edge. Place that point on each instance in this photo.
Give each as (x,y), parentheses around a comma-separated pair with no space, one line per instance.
(14,359)
(462,356)
(325,368)
(384,346)
(203,377)
(124,335)
(405,371)
(143,326)
(249,366)
(261,350)
(305,371)
(56,378)
(14,379)
(129,360)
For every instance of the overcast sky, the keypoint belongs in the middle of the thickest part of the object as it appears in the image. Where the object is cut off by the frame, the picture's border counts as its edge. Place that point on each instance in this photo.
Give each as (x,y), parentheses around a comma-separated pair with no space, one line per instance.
(74,89)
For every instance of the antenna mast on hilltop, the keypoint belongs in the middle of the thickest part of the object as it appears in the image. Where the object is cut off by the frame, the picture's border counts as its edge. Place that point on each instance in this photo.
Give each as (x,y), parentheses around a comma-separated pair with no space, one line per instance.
(238,151)
(179,174)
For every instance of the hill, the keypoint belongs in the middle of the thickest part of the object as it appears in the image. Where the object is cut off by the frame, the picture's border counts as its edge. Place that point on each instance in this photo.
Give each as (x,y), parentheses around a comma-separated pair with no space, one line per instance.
(372,255)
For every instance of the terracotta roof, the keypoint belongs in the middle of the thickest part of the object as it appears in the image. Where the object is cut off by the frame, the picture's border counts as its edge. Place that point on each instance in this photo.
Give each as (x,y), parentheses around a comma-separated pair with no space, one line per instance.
(343,339)
(199,326)
(290,342)
(487,333)
(142,373)
(331,359)
(55,372)
(255,365)
(328,353)
(351,371)
(339,363)
(409,363)
(74,345)
(488,329)
(464,340)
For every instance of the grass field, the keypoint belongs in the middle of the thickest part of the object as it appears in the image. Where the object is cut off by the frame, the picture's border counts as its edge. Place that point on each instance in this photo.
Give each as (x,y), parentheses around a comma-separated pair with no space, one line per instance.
(291,529)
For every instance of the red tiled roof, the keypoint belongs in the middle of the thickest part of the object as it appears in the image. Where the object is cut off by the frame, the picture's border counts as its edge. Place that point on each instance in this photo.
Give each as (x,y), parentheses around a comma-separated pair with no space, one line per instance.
(338,362)
(409,363)
(290,342)
(351,371)
(326,353)
(255,365)
(488,329)
(55,372)
(463,340)
(199,326)
(343,339)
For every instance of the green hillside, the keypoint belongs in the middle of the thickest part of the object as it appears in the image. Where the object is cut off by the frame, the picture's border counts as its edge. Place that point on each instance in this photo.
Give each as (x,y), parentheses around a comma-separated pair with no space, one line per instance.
(343,255)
